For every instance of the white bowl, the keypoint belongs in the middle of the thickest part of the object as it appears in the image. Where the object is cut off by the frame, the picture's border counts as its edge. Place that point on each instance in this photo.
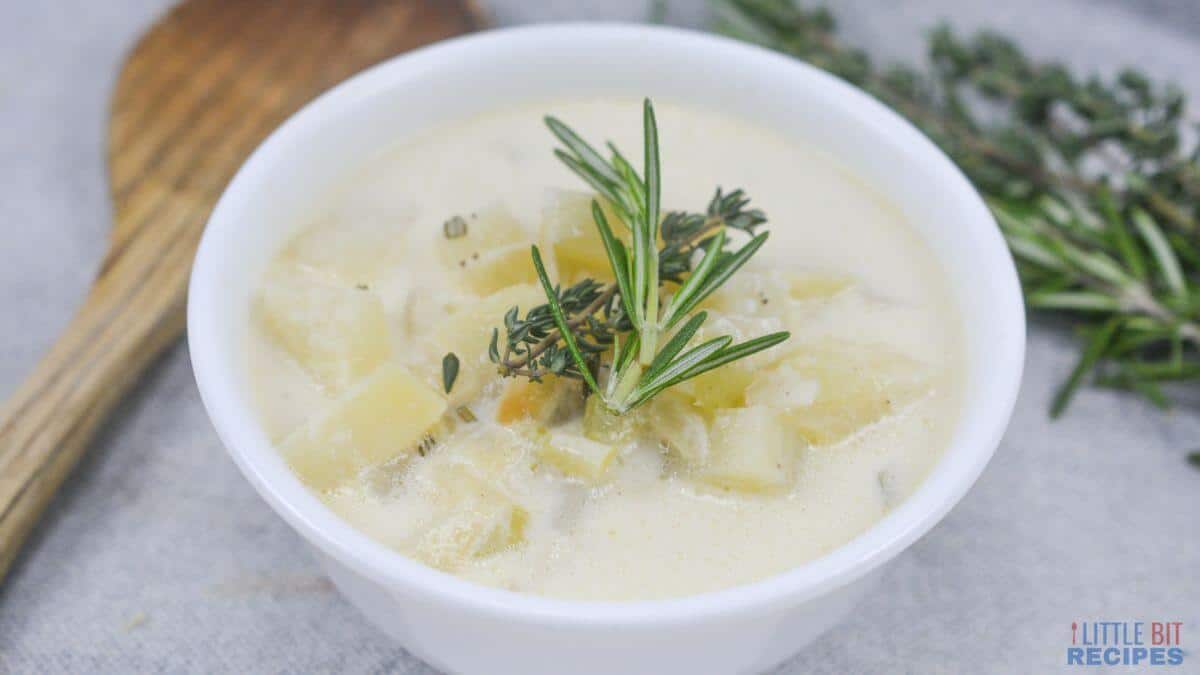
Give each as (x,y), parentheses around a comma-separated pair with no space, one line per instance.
(464,627)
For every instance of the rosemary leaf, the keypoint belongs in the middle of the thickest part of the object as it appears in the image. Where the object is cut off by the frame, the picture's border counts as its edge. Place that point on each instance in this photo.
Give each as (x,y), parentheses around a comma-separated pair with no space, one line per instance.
(653,167)
(1095,350)
(738,351)
(586,154)
(1074,300)
(1168,264)
(725,267)
(678,370)
(675,345)
(561,320)
(618,257)
(681,302)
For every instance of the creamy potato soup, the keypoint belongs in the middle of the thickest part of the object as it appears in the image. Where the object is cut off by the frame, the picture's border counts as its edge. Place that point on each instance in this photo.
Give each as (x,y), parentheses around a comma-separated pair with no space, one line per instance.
(738,473)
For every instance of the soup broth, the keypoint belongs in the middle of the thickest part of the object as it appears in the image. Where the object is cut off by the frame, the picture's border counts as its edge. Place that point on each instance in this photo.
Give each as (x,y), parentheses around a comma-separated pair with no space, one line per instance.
(741,473)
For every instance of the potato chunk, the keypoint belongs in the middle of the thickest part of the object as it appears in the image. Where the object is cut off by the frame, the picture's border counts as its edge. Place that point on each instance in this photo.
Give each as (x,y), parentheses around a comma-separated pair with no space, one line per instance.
(568,226)
(349,251)
(476,521)
(489,251)
(498,268)
(382,418)
(750,451)
(678,426)
(577,456)
(542,402)
(337,333)
(468,331)
(855,385)
(466,238)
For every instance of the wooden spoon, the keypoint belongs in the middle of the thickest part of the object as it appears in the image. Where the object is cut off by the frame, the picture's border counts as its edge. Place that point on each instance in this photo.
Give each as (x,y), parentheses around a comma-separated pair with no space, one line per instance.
(200,90)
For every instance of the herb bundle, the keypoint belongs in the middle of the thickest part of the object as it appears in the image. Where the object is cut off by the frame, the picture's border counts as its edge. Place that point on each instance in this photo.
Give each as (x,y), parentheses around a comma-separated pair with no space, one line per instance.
(1092,181)
(648,337)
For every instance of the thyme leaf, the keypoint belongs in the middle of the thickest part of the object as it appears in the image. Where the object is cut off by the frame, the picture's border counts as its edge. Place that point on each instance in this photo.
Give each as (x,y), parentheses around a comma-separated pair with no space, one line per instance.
(449,370)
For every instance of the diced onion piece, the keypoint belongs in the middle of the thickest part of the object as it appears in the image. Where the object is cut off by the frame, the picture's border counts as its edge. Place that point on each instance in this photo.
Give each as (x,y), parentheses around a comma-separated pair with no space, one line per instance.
(384,417)
(577,456)
(337,333)
(751,451)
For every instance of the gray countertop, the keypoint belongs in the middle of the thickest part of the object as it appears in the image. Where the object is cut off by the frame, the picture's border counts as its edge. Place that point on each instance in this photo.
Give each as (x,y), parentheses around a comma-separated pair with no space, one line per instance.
(158,556)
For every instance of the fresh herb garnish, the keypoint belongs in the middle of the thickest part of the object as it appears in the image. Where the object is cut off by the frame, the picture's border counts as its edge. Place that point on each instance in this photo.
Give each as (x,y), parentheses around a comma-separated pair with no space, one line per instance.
(454,228)
(449,371)
(1094,182)
(578,325)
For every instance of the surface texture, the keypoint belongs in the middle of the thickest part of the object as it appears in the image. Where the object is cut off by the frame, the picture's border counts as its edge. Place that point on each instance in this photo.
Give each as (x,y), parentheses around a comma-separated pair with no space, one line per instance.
(158,556)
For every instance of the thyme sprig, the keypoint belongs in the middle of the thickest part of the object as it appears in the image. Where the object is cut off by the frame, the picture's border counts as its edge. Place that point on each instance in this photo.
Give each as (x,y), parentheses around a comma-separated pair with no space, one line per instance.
(1091,181)
(533,344)
(579,324)
(683,232)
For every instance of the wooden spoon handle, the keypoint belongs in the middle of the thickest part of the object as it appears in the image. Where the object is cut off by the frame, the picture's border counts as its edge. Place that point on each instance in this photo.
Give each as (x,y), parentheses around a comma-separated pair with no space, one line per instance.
(133,312)
(195,96)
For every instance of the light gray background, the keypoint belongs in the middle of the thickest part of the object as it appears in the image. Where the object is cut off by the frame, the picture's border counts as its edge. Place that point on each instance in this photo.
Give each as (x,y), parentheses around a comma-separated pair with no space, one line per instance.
(158,556)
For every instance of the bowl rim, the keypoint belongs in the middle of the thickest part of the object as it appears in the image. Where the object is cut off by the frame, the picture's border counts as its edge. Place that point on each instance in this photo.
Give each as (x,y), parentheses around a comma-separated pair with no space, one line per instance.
(947,482)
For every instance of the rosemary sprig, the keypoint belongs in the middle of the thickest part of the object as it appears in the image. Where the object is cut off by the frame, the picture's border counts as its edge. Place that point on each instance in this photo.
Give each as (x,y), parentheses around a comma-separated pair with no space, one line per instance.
(1091,181)
(577,326)
(532,344)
